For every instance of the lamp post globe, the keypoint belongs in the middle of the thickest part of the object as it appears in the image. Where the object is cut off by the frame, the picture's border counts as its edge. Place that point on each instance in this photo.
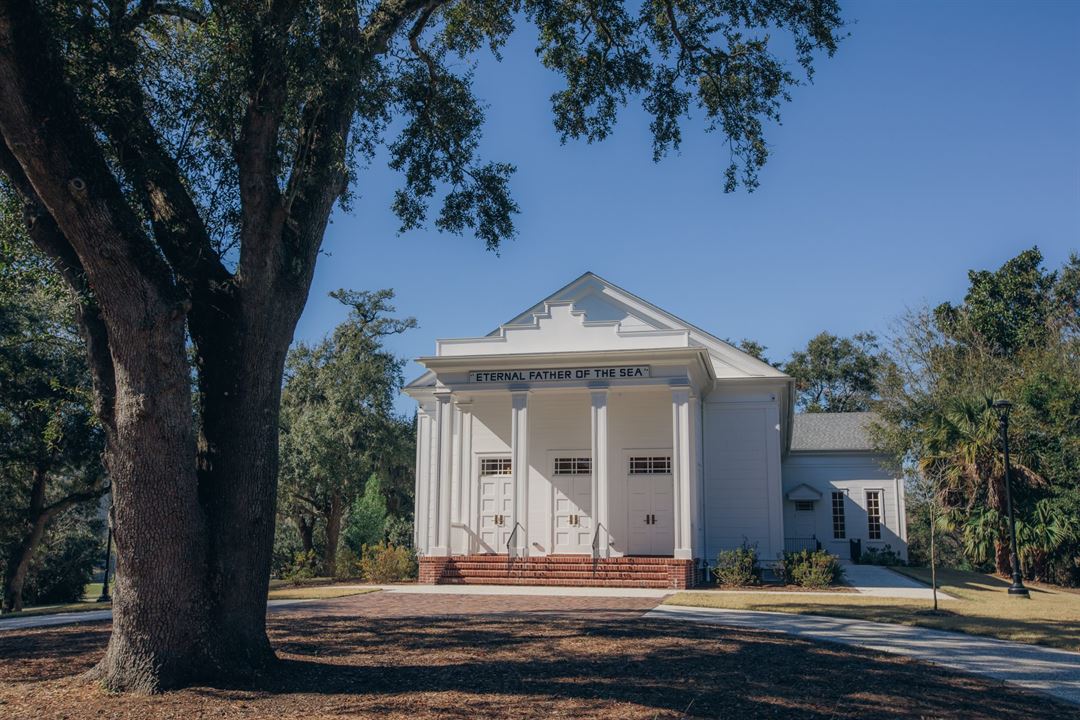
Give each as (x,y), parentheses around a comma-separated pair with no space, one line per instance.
(1002,408)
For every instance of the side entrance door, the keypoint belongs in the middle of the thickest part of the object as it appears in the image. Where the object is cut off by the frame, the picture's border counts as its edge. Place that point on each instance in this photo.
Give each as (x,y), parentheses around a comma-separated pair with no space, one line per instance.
(571,481)
(651,503)
(496,494)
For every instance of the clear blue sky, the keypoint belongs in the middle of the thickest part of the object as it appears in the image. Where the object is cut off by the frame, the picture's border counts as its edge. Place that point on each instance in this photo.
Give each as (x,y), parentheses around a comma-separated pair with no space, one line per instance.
(943,136)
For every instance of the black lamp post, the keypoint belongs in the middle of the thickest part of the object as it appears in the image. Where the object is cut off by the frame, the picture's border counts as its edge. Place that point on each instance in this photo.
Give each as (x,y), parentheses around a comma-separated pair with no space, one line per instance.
(1002,407)
(104,597)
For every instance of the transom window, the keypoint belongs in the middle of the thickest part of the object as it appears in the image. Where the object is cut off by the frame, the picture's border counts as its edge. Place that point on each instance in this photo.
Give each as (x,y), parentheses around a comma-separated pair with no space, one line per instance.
(838,530)
(873,514)
(495,466)
(650,465)
(573,466)
(804,505)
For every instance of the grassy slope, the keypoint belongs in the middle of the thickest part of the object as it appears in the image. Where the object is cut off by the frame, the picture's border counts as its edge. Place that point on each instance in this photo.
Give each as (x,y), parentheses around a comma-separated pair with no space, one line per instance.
(1051,617)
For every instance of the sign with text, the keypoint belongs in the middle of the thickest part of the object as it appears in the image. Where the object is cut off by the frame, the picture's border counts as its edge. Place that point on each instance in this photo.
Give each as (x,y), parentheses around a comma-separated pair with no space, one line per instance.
(628,372)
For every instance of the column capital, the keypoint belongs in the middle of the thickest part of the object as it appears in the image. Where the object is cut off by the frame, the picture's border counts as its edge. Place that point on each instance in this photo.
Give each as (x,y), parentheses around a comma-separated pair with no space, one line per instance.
(443,396)
(598,396)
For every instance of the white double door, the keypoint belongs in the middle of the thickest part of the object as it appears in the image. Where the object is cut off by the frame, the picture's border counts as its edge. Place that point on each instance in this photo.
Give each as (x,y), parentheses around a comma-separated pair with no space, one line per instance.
(572,521)
(651,502)
(496,512)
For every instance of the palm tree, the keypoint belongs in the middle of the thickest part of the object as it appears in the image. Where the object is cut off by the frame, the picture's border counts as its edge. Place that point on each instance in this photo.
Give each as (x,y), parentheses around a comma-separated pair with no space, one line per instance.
(961,446)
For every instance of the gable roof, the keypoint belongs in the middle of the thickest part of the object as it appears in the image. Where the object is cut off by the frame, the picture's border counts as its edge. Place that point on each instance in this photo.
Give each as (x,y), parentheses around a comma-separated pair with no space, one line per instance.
(603,301)
(832,432)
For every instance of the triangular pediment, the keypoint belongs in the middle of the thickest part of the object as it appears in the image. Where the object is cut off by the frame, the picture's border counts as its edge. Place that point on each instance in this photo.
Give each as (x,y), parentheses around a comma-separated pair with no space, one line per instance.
(803,493)
(631,321)
(562,327)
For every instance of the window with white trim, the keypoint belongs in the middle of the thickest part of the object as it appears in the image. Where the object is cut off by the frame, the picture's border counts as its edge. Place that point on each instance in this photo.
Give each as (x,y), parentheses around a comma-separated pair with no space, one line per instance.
(873,514)
(650,465)
(839,532)
(495,466)
(573,466)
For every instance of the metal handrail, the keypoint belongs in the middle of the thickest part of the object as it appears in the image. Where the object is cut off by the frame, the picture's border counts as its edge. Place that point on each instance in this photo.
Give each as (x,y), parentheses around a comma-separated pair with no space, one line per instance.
(510,552)
(596,548)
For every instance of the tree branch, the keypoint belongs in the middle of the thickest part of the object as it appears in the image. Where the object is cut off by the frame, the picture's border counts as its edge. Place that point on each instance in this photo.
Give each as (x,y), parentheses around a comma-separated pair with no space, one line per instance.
(256,149)
(318,176)
(178,228)
(45,234)
(41,125)
(93,492)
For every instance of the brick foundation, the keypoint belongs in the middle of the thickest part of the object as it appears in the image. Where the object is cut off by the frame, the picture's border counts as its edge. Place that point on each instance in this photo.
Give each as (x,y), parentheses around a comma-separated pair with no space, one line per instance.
(565,570)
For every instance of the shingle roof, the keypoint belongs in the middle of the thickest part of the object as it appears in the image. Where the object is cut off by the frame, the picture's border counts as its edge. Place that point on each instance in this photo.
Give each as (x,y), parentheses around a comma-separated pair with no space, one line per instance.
(818,432)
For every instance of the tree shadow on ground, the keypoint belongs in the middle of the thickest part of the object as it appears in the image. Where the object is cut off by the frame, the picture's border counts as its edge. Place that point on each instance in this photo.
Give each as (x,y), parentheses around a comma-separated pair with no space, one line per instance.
(672,668)
(586,662)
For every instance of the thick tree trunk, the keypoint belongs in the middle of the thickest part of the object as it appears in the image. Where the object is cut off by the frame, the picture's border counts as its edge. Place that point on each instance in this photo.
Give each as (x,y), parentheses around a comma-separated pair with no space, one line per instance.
(160,606)
(22,550)
(240,383)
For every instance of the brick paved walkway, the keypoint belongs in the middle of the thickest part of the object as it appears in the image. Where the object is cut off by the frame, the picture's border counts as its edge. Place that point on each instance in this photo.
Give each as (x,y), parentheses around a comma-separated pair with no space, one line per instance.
(401,605)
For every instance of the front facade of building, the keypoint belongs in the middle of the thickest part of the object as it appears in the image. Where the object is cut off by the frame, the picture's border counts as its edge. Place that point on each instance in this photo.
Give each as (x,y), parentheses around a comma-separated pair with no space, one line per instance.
(596,439)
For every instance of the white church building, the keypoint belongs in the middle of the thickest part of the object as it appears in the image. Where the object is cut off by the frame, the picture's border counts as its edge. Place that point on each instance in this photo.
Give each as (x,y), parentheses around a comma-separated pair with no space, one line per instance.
(596,439)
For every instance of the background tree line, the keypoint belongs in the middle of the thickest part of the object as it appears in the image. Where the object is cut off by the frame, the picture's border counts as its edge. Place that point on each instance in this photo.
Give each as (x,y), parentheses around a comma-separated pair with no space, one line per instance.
(51,476)
(1015,336)
(347,459)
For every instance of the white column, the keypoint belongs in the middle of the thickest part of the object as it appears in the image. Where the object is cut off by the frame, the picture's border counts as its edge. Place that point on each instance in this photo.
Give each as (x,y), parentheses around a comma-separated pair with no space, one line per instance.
(455,475)
(683,468)
(445,428)
(598,416)
(431,526)
(519,453)
(420,514)
(459,497)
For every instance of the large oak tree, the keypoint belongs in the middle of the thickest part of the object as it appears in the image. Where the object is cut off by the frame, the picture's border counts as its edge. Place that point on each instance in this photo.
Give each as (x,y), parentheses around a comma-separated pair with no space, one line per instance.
(179,161)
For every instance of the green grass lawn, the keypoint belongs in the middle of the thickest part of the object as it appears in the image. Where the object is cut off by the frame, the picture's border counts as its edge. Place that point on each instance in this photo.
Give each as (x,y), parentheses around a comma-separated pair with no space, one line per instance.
(982,607)
(322,591)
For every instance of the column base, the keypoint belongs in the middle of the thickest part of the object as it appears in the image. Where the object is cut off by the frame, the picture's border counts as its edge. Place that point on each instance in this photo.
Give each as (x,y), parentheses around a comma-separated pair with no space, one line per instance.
(683,554)
(440,552)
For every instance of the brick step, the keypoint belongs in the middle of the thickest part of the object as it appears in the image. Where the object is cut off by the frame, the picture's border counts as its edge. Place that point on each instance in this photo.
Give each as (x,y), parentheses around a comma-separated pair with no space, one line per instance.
(567,559)
(576,567)
(563,575)
(658,584)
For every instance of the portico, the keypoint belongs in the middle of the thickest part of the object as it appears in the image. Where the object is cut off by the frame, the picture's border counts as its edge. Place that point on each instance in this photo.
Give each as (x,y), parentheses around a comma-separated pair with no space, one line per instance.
(520,457)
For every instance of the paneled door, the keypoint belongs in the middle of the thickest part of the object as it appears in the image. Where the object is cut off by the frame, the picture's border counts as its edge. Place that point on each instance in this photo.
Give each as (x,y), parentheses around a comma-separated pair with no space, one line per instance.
(651,504)
(571,480)
(496,495)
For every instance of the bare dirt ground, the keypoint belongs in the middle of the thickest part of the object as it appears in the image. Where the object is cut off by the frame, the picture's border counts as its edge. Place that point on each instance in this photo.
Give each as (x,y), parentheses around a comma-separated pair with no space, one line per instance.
(448,656)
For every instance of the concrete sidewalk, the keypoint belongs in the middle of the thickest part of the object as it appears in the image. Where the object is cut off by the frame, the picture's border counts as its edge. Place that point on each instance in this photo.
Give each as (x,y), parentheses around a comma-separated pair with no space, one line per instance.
(1054,672)
(877,581)
(71,618)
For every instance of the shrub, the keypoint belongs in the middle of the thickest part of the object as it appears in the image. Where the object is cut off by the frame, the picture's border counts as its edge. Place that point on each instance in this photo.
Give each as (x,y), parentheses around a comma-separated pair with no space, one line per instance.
(383,563)
(64,561)
(305,565)
(737,567)
(348,565)
(286,546)
(367,517)
(880,556)
(817,569)
(398,531)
